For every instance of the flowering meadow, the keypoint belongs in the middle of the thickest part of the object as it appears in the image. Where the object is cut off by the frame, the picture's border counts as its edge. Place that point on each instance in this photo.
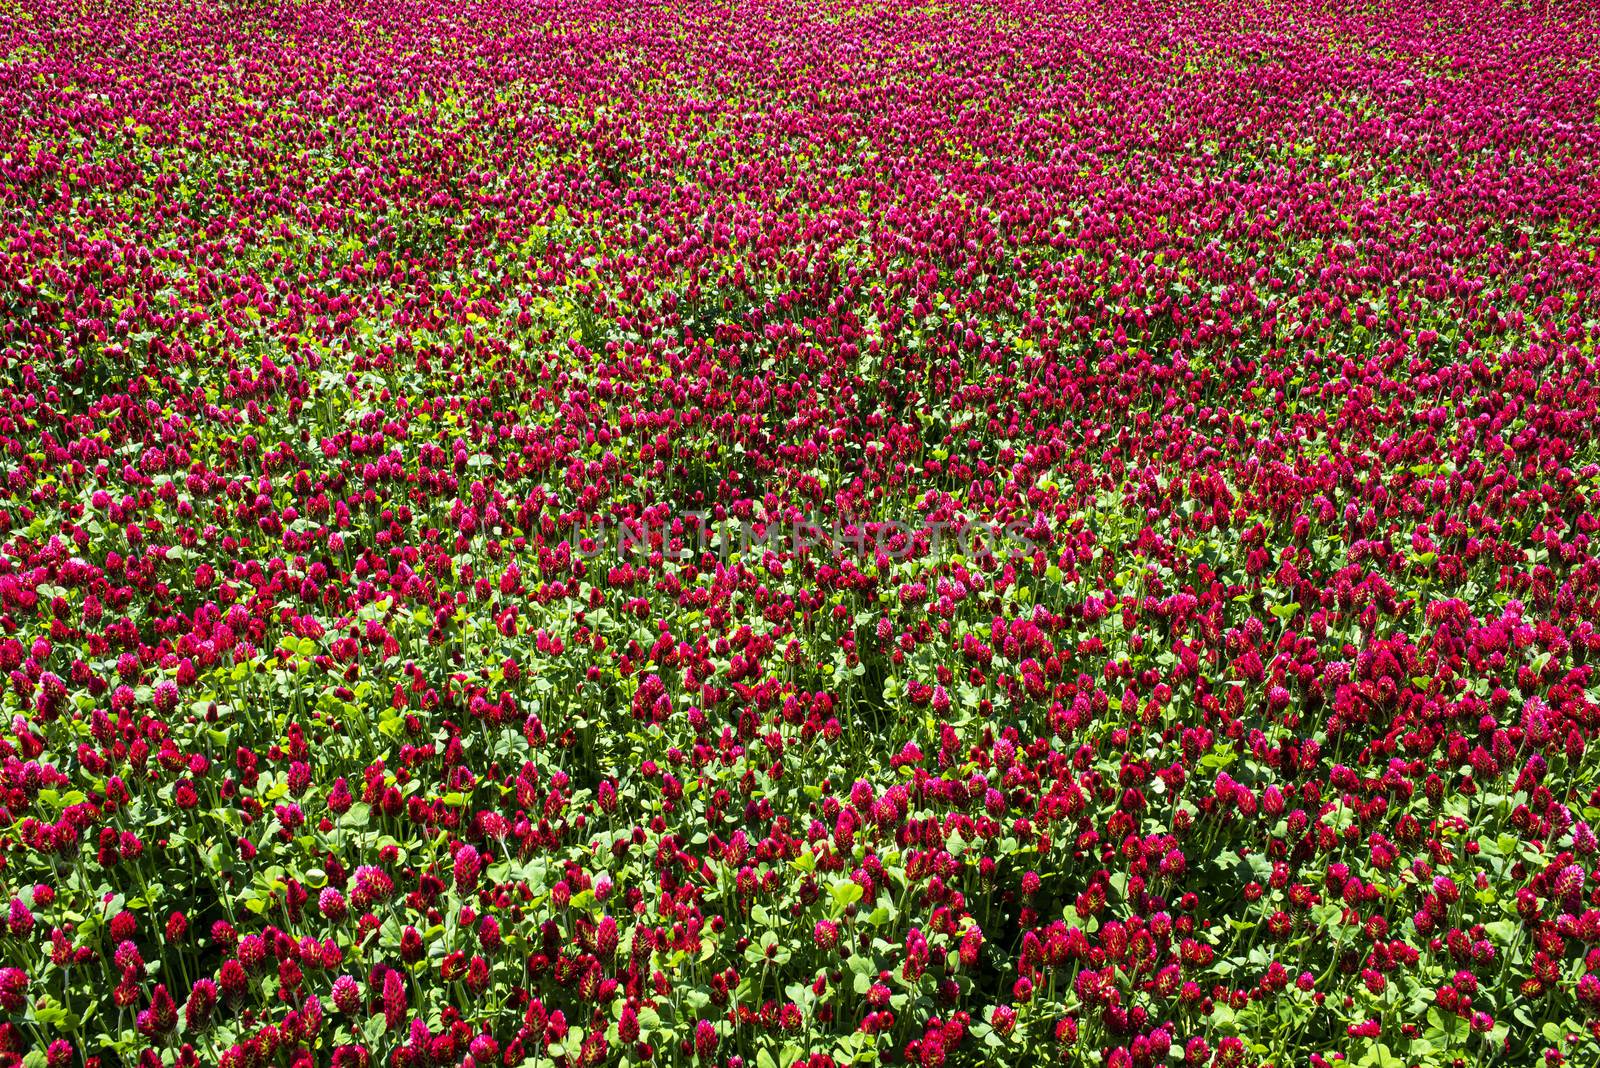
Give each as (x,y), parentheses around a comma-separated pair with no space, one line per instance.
(375,378)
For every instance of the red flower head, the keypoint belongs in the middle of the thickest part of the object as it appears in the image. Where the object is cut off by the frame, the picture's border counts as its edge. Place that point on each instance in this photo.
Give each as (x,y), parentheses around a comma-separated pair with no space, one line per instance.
(705,1040)
(394,1000)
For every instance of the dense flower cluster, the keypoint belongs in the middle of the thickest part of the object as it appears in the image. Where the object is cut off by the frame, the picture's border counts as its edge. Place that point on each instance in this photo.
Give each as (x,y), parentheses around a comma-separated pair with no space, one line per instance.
(330,328)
